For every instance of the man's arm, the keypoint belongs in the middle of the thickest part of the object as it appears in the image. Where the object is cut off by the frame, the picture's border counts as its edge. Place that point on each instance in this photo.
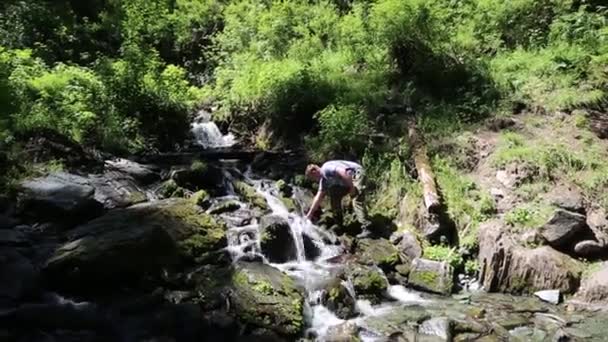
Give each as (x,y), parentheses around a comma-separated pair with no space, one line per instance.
(315,203)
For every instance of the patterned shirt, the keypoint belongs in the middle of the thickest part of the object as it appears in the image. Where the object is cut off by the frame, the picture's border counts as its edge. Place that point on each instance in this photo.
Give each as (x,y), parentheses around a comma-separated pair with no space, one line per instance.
(330,176)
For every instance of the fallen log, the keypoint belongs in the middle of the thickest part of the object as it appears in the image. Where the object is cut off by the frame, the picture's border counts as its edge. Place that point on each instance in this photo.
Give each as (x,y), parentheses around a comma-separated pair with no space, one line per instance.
(425,173)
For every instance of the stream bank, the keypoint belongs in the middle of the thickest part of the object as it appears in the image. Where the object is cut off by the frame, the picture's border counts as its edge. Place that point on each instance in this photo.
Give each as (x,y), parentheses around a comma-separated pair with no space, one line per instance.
(213,251)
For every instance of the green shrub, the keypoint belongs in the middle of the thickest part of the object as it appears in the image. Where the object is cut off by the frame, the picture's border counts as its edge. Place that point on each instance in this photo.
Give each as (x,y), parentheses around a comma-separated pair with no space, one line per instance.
(444,253)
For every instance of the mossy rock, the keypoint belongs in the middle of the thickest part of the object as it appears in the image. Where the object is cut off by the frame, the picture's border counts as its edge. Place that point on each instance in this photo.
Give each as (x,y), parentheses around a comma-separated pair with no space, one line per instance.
(225,207)
(368,281)
(379,252)
(284,188)
(250,195)
(289,203)
(265,297)
(129,243)
(338,299)
(201,198)
(170,189)
(432,276)
(276,239)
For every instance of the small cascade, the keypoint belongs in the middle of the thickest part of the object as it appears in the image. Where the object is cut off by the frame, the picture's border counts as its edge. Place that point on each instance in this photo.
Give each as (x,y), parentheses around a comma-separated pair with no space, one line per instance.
(244,243)
(207,134)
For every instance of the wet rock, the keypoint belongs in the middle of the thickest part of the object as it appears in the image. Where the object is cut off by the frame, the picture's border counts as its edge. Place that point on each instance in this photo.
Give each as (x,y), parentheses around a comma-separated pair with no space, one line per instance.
(116,190)
(594,288)
(564,228)
(338,299)
(437,326)
(126,244)
(567,198)
(345,332)
(250,195)
(144,174)
(368,281)
(17,276)
(198,176)
(507,267)
(225,207)
(407,244)
(276,239)
(239,218)
(379,252)
(311,250)
(401,321)
(265,297)
(58,197)
(433,276)
(549,296)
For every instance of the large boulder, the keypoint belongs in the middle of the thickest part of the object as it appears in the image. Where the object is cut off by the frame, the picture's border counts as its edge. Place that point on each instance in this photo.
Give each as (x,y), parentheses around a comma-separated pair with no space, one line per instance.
(144,174)
(263,296)
(433,276)
(199,176)
(368,281)
(597,220)
(17,275)
(567,198)
(594,288)
(507,267)
(380,252)
(407,244)
(58,196)
(126,244)
(276,239)
(564,229)
(116,190)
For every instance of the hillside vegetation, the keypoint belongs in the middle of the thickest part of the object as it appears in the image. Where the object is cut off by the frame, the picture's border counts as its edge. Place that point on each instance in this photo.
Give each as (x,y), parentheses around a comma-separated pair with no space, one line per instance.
(331,76)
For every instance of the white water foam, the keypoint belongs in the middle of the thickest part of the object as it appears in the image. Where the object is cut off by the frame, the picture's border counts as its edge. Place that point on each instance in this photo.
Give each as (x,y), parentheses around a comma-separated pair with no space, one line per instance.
(208,135)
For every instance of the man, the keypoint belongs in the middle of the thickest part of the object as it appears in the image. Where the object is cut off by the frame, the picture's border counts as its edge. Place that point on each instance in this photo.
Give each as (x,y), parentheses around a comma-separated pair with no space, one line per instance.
(339,178)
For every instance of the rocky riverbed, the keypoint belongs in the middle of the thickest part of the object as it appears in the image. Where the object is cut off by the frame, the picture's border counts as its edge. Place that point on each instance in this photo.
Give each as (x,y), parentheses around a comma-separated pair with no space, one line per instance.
(202,251)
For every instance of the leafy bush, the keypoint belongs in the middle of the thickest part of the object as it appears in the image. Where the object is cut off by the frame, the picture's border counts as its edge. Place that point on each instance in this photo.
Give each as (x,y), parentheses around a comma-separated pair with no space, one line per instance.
(444,253)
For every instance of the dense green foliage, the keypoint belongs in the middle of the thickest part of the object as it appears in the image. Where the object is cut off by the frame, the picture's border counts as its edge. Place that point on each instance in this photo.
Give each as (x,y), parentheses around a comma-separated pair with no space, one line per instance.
(123,75)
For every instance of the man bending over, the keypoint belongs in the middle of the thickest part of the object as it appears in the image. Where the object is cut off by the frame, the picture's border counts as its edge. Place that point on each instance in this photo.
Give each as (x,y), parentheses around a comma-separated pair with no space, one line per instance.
(340,178)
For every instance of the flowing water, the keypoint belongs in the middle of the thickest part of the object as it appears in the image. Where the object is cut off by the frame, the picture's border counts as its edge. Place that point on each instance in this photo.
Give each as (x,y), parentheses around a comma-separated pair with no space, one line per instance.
(208,135)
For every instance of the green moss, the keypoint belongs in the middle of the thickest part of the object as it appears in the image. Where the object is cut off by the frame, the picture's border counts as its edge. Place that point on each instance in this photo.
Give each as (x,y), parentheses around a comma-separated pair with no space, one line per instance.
(289,203)
(207,234)
(171,189)
(250,195)
(226,206)
(263,287)
(137,197)
(200,198)
(426,277)
(198,167)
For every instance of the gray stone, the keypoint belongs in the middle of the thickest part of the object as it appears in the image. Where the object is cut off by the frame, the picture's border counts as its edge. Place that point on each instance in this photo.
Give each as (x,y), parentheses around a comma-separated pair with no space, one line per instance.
(368,281)
(549,296)
(58,196)
(590,249)
(433,276)
(345,332)
(594,288)
(407,244)
(339,300)
(437,326)
(145,174)
(598,222)
(564,228)
(505,266)
(379,252)
(567,199)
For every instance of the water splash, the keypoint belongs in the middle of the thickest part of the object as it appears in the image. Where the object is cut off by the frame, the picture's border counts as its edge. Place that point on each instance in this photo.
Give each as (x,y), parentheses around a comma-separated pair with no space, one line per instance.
(208,135)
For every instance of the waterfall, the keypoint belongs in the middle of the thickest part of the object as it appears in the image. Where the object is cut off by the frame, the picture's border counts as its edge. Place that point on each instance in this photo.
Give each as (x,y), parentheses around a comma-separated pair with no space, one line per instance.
(207,134)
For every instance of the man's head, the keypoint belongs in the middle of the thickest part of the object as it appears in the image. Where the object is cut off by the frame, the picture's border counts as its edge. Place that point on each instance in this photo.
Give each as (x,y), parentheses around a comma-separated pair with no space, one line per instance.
(313,172)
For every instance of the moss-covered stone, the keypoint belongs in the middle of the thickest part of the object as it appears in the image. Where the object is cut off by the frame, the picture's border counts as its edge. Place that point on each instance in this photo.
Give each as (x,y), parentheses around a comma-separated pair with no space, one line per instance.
(338,299)
(284,188)
(368,281)
(201,198)
(378,252)
(170,189)
(225,207)
(265,297)
(141,239)
(289,203)
(250,195)
(432,276)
